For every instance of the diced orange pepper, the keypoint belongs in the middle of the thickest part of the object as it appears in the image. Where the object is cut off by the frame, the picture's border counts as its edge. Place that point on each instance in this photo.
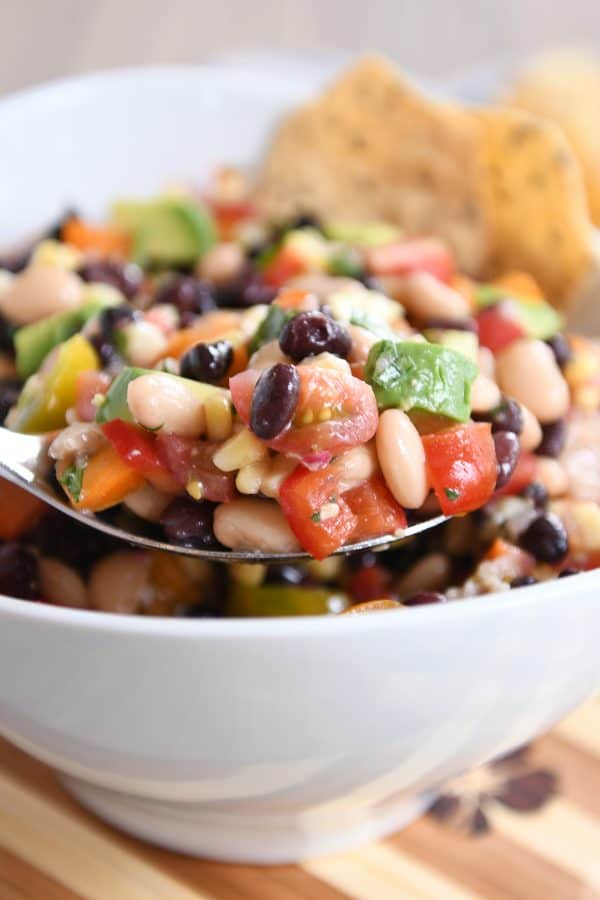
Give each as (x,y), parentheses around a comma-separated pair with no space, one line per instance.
(211,327)
(498,548)
(521,284)
(107,480)
(19,511)
(294,298)
(106,240)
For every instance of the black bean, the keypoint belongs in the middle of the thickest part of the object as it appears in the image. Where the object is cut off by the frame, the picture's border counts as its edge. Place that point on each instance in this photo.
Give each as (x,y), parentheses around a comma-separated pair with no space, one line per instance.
(274,400)
(113,317)
(19,576)
(254,291)
(304,220)
(507,416)
(467,324)
(105,349)
(364,560)
(554,436)
(311,333)
(286,574)
(523,581)
(537,493)
(207,362)
(10,389)
(546,539)
(421,598)
(189,523)
(561,349)
(508,449)
(191,296)
(77,545)
(6,337)
(125,276)
(568,571)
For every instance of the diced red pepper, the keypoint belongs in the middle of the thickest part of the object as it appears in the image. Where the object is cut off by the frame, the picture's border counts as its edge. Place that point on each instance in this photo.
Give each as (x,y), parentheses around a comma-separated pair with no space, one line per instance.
(375,509)
(320,518)
(135,447)
(405,257)
(462,467)
(497,327)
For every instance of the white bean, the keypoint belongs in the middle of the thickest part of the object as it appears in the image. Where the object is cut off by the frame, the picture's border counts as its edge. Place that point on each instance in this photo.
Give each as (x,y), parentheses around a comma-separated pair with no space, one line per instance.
(362,341)
(144,342)
(119,583)
(527,370)
(321,285)
(431,573)
(485,394)
(147,503)
(402,458)
(355,466)
(266,356)
(61,584)
(250,524)
(160,402)
(40,291)
(222,263)
(486,362)
(531,433)
(80,437)
(426,297)
(552,475)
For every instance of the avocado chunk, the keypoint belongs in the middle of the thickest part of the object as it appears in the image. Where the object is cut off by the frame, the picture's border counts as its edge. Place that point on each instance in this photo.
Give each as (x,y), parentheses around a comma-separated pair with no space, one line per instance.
(166,232)
(368,234)
(34,342)
(422,377)
(464,342)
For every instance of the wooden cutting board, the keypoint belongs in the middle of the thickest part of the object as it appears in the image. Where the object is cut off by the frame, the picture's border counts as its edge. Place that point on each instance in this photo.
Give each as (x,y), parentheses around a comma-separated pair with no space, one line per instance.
(524,829)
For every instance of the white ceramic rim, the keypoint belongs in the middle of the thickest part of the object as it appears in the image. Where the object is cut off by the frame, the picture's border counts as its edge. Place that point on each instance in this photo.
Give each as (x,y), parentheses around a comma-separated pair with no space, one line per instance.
(300,626)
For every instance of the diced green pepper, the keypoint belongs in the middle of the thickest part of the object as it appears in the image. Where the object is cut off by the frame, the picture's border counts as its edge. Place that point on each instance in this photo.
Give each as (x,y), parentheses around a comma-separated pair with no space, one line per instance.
(283,600)
(47,396)
(422,377)
(34,342)
(271,326)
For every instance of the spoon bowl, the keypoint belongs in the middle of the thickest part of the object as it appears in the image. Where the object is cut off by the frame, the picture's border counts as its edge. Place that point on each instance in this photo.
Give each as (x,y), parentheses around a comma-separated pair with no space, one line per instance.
(24,461)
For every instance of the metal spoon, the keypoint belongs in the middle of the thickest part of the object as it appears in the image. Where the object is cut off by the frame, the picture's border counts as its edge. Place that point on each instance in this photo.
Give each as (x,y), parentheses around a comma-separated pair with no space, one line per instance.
(24,461)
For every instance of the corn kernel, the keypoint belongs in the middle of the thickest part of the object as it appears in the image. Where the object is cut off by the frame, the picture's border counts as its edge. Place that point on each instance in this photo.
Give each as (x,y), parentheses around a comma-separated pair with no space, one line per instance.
(325,414)
(279,469)
(243,449)
(306,418)
(249,478)
(219,420)
(55,253)
(195,489)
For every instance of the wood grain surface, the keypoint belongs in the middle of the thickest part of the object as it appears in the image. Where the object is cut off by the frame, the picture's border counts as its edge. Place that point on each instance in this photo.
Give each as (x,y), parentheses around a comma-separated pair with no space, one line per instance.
(527,828)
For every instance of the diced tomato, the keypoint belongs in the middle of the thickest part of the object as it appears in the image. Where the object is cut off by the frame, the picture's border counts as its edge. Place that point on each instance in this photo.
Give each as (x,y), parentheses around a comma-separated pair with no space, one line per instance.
(497,328)
(405,257)
(524,473)
(88,385)
(191,460)
(369,583)
(285,265)
(319,517)
(461,463)
(293,298)
(350,403)
(375,509)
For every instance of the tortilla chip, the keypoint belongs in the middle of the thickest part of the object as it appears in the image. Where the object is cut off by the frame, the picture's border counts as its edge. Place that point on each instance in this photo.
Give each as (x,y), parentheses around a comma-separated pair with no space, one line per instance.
(564,87)
(501,188)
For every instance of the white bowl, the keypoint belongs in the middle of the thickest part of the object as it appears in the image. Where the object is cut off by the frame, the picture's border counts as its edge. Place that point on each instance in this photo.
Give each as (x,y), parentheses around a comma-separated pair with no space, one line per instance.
(254,740)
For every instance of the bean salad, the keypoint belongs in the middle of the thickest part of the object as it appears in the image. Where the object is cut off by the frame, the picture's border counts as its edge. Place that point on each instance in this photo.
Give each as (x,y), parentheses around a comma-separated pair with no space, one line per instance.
(237,383)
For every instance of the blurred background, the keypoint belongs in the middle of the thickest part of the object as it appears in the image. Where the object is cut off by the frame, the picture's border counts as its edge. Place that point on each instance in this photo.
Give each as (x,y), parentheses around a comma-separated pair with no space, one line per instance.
(40,39)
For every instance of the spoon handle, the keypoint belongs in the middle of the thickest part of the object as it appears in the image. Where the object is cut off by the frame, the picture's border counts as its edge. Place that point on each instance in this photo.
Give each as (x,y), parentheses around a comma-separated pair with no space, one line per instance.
(20,456)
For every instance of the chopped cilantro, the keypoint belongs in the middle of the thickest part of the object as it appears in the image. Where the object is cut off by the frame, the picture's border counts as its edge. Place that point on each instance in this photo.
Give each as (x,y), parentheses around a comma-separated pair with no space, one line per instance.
(451,493)
(271,326)
(72,479)
(316,517)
